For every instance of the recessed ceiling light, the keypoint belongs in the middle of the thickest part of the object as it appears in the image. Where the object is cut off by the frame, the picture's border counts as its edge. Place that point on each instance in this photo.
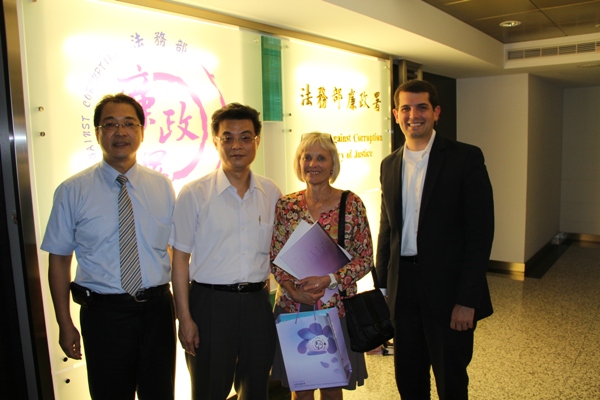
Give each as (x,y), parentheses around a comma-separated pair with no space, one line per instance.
(510,24)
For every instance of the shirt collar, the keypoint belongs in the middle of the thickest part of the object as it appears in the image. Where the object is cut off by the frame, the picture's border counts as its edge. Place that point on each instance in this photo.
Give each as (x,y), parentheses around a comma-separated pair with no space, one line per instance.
(223,183)
(110,174)
(427,149)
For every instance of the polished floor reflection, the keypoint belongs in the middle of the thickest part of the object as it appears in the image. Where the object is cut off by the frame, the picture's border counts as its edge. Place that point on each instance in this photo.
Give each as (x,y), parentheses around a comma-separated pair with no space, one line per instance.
(543,341)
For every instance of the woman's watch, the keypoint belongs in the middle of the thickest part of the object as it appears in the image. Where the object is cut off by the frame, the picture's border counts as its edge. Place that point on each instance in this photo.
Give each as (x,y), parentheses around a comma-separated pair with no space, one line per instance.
(334,283)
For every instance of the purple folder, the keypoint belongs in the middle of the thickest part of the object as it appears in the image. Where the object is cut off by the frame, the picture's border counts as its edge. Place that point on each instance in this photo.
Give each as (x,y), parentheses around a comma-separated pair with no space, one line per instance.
(314,253)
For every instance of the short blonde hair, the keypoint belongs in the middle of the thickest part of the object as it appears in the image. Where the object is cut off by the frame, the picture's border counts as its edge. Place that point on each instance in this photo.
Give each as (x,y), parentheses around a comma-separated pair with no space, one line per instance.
(325,140)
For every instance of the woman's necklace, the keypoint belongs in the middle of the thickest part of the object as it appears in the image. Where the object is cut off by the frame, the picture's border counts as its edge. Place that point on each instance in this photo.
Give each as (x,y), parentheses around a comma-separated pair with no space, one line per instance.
(317,206)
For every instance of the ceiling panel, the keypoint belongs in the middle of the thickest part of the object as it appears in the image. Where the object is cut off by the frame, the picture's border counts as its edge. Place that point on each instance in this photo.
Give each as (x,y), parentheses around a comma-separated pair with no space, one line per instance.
(475,9)
(534,26)
(576,20)
(540,19)
(560,3)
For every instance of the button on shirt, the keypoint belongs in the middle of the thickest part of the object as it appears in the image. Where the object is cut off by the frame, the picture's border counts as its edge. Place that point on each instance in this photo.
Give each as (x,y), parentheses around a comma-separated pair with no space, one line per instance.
(229,237)
(414,170)
(85,220)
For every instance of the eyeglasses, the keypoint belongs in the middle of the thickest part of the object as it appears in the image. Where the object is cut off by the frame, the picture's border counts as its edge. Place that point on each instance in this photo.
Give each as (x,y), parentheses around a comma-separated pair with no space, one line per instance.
(244,139)
(111,127)
(316,135)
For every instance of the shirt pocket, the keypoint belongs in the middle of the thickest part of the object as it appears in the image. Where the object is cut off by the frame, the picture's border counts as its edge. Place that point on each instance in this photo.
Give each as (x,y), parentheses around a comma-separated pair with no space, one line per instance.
(160,231)
(265,233)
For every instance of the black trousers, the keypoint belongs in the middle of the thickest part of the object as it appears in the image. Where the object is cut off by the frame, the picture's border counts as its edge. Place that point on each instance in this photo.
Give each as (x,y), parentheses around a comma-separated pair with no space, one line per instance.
(237,344)
(422,342)
(130,347)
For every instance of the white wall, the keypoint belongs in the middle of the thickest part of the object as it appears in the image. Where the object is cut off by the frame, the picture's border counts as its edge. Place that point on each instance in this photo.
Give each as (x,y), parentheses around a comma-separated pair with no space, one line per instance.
(492,113)
(543,164)
(580,202)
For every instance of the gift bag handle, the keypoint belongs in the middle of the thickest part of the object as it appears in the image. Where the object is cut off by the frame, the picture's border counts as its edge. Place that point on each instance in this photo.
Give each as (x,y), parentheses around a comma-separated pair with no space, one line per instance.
(298,312)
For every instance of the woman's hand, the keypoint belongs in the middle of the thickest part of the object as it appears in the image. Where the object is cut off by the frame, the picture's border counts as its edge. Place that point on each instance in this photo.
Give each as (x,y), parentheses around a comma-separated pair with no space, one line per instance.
(315,284)
(306,291)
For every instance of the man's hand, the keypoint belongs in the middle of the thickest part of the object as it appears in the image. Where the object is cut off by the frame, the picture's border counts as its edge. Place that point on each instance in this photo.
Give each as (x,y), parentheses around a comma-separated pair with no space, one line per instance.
(70,342)
(462,318)
(189,336)
(180,276)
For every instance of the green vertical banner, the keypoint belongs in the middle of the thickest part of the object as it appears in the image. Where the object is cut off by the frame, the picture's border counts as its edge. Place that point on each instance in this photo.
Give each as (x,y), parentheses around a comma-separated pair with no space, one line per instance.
(271,79)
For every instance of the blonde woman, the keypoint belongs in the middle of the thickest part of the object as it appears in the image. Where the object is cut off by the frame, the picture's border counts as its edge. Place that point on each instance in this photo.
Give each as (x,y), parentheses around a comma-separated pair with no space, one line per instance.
(317,164)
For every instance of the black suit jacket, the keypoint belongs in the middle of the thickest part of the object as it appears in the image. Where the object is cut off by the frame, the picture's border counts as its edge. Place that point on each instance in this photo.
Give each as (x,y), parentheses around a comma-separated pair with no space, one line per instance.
(455,230)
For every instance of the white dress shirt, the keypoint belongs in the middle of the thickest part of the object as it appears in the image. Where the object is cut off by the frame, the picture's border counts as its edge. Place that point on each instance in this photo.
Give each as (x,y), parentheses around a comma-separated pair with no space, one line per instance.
(414,170)
(228,237)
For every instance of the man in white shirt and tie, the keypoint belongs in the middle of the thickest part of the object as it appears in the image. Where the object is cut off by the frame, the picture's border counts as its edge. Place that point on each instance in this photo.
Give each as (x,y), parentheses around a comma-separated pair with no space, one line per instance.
(116,217)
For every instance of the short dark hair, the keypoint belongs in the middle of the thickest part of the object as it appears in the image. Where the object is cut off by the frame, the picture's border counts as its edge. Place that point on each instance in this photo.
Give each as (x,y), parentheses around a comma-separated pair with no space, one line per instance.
(235,111)
(417,86)
(119,98)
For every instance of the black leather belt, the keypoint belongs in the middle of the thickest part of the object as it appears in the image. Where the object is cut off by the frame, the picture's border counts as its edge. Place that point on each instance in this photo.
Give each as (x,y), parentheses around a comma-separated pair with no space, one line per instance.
(242,287)
(142,295)
(410,259)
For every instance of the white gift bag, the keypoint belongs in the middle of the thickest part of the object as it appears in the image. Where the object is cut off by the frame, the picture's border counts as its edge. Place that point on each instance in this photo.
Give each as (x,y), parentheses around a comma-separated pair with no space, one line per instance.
(313,348)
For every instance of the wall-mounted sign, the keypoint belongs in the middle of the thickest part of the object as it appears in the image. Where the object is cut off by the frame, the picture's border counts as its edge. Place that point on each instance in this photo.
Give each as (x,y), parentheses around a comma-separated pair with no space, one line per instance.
(180,69)
(349,98)
(344,94)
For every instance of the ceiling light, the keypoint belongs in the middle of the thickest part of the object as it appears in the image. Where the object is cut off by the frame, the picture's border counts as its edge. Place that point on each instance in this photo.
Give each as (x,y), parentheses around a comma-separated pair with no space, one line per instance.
(510,24)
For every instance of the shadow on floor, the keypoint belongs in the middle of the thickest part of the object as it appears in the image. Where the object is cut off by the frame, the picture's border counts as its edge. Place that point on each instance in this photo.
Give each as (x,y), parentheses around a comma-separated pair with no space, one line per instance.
(276,392)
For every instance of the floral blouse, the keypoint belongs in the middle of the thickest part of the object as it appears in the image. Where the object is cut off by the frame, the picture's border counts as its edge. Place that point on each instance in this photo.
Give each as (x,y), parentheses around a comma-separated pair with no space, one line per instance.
(290,210)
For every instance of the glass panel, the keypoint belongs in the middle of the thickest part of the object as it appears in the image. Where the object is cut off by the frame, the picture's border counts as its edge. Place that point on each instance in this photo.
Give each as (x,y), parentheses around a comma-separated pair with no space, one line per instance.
(180,69)
(345,94)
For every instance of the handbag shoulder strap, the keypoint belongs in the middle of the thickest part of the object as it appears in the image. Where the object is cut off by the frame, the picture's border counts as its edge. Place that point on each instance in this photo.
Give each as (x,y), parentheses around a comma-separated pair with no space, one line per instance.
(342,232)
(342,219)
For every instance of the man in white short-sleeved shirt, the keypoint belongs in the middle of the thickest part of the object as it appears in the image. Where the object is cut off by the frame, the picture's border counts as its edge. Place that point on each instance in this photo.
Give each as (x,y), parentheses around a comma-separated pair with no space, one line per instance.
(223,223)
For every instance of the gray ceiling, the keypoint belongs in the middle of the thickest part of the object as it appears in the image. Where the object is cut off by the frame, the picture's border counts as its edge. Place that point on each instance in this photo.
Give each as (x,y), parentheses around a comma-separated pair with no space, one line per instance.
(540,19)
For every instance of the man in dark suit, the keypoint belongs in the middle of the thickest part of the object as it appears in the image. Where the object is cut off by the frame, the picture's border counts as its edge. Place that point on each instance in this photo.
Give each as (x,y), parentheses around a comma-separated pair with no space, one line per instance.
(435,239)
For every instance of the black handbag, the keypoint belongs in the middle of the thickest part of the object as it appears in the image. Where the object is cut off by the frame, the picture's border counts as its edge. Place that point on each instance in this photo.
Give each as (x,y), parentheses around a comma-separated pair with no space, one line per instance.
(367,313)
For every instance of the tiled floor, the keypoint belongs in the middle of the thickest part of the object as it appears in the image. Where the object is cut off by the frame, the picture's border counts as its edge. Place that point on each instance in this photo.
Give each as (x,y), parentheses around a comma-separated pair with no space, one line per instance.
(542,343)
